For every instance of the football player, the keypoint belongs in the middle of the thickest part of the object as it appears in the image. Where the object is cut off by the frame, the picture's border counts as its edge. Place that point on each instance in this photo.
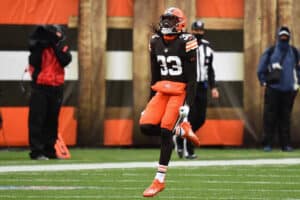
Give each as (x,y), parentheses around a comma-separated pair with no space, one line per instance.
(173,81)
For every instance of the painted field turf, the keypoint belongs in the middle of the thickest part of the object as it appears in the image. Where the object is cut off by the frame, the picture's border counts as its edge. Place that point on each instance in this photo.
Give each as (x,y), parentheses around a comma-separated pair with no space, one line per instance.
(270,182)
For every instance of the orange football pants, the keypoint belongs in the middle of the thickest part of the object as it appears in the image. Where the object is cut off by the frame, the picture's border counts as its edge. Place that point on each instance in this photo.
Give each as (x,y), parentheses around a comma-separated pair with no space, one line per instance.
(163,109)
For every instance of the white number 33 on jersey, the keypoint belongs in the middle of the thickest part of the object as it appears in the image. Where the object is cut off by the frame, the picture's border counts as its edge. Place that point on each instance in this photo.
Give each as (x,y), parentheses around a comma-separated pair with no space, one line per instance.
(170,65)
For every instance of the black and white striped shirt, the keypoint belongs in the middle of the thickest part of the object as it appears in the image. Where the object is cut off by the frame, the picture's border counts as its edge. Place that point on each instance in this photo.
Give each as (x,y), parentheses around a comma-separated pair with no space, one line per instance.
(205,70)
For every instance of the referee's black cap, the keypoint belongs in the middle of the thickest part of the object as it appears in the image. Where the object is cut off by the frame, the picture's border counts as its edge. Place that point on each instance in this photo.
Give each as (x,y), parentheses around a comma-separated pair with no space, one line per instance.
(198,25)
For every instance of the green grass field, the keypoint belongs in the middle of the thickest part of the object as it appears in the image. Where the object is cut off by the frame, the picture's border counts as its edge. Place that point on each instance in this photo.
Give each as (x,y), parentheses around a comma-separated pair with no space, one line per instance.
(267,182)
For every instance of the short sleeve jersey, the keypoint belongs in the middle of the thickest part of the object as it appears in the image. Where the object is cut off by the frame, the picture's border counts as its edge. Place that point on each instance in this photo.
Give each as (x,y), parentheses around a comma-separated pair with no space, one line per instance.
(175,60)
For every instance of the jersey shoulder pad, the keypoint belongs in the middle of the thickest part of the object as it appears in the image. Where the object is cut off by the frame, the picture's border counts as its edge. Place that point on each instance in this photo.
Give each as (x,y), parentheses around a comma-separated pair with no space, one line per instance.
(205,42)
(190,41)
(152,41)
(155,36)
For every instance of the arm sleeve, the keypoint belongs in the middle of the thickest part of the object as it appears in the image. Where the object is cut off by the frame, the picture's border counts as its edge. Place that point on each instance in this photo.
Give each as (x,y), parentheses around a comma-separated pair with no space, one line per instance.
(155,67)
(155,72)
(211,71)
(190,74)
(35,57)
(263,67)
(63,54)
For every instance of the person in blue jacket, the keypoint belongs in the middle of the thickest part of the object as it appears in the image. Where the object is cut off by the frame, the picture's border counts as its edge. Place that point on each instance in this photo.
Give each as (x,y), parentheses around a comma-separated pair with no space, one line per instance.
(279,73)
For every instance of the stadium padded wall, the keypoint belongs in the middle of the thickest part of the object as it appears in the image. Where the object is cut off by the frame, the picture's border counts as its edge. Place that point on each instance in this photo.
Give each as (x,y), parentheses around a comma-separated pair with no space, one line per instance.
(17,20)
(118,123)
(107,84)
(224,29)
(91,53)
(127,67)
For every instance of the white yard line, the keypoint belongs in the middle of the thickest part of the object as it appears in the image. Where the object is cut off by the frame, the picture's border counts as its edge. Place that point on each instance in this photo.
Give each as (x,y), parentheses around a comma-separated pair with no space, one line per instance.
(129,197)
(124,165)
(95,197)
(110,192)
(107,188)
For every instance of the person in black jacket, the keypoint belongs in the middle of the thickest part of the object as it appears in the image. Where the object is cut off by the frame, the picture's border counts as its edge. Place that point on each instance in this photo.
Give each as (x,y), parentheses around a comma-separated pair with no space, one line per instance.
(48,57)
(205,80)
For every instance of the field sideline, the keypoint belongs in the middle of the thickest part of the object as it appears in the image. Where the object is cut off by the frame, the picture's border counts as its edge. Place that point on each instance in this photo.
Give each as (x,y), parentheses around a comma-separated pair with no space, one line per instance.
(125,173)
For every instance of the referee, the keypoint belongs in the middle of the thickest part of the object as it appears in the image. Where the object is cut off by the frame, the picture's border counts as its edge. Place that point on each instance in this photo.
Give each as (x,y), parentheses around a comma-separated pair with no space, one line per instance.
(205,79)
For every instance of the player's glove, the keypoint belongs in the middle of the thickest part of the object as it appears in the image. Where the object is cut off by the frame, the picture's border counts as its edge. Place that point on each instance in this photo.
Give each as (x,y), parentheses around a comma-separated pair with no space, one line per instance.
(184,111)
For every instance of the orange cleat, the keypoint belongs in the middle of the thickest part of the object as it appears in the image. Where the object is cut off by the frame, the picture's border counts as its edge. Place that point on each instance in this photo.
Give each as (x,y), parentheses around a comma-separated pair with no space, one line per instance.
(189,134)
(154,188)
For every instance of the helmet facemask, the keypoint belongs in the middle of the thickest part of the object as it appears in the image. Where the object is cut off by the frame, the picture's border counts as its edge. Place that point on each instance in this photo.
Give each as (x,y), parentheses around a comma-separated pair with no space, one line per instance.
(168,24)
